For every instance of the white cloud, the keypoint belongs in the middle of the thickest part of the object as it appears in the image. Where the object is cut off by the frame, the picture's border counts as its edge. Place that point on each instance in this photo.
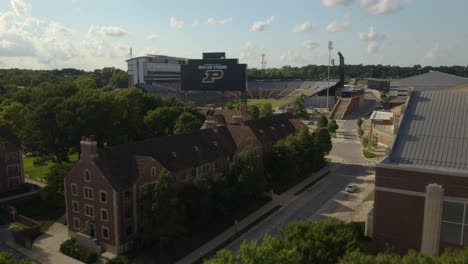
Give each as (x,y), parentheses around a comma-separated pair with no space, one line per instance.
(304,27)
(109,31)
(382,7)
(212,21)
(309,44)
(20,7)
(329,3)
(374,40)
(432,54)
(152,37)
(340,24)
(292,57)
(176,23)
(259,26)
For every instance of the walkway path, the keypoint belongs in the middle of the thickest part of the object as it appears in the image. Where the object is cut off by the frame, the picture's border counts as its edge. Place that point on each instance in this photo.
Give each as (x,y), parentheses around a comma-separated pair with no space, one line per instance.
(46,247)
(281,200)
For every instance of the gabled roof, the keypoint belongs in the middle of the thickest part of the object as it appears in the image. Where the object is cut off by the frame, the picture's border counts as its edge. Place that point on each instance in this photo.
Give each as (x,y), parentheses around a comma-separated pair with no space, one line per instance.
(434,131)
(179,152)
(430,80)
(8,135)
(274,128)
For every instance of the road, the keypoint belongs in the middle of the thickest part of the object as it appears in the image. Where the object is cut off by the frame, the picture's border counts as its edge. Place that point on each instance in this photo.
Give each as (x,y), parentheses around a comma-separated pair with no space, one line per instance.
(326,198)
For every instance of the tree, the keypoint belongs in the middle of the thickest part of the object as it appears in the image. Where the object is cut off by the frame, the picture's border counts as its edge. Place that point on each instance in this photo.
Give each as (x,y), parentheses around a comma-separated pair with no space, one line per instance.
(249,173)
(299,105)
(322,121)
(333,126)
(254,112)
(266,110)
(86,82)
(54,188)
(359,122)
(322,242)
(324,140)
(187,122)
(119,79)
(271,250)
(7,258)
(163,214)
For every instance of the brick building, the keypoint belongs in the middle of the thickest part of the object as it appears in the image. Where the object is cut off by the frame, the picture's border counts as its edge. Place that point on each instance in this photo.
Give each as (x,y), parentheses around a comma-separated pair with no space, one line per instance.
(11,161)
(102,188)
(421,197)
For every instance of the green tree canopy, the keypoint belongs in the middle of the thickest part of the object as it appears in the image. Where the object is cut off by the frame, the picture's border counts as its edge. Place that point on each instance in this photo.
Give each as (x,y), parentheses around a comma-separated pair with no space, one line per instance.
(322,121)
(254,112)
(266,110)
(299,105)
(187,122)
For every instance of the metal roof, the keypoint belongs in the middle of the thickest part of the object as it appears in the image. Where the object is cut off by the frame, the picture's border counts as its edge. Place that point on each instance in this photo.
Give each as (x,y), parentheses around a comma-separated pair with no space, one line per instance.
(434,130)
(430,80)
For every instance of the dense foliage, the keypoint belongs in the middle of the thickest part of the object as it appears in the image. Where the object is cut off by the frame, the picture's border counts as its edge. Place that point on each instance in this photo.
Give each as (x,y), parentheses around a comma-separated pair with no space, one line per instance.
(319,72)
(296,157)
(7,258)
(299,107)
(301,242)
(51,120)
(119,260)
(71,248)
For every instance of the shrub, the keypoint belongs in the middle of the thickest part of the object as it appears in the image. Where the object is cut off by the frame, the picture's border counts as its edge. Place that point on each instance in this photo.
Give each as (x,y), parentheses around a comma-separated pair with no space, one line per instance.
(333,126)
(72,249)
(360,132)
(359,122)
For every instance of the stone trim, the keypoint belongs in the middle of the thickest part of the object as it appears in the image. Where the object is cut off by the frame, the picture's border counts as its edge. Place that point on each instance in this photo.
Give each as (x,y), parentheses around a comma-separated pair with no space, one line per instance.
(429,170)
(399,191)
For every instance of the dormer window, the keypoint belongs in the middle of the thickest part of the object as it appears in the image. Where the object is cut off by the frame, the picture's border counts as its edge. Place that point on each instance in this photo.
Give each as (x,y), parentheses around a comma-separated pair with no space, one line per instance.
(153,172)
(87,176)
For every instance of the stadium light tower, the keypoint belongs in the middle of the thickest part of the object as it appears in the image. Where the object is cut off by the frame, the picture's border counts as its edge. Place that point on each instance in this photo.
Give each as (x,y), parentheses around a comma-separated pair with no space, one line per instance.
(330,47)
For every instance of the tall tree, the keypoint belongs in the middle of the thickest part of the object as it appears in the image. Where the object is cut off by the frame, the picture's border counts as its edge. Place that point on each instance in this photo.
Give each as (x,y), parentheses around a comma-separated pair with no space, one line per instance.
(187,122)
(254,112)
(266,110)
(299,105)
(324,140)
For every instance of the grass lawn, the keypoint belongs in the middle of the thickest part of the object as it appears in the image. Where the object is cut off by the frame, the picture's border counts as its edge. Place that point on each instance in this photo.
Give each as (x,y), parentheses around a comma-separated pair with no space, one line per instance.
(368,154)
(370,197)
(40,171)
(274,102)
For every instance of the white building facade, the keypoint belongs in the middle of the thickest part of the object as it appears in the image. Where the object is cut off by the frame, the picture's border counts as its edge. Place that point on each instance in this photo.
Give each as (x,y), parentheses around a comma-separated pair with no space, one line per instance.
(154,68)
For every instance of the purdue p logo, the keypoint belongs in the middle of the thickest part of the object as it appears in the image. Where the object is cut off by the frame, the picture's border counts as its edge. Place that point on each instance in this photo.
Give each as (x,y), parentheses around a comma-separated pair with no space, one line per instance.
(212,75)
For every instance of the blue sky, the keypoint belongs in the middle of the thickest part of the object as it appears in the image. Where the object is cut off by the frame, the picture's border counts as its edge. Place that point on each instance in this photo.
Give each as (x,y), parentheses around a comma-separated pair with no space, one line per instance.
(88,34)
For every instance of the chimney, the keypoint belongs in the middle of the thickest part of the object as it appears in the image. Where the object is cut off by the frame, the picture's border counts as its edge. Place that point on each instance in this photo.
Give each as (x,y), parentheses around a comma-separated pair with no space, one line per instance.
(290,109)
(211,124)
(88,147)
(238,119)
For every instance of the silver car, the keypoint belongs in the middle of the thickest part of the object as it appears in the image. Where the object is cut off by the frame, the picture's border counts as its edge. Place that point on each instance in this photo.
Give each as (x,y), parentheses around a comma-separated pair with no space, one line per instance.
(351,188)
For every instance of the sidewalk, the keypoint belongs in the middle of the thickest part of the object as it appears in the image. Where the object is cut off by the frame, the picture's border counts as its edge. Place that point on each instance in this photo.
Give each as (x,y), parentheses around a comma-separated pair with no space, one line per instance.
(46,247)
(281,200)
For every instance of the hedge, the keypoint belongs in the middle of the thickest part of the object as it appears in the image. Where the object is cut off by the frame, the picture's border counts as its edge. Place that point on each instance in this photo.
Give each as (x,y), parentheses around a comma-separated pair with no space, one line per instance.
(72,249)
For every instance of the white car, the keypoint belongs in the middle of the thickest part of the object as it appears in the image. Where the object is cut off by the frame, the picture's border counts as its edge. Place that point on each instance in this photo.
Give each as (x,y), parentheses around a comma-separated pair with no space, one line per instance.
(351,188)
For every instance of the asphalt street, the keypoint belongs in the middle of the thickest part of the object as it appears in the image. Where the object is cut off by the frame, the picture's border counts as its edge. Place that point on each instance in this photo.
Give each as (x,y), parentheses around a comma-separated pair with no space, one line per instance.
(349,167)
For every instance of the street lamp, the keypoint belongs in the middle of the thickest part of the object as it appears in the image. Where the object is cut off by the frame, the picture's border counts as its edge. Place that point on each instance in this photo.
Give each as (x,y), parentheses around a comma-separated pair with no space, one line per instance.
(330,47)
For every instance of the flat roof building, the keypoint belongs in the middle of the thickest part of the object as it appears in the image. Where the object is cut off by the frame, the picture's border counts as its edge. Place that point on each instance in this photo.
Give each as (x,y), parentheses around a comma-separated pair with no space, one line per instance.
(152,69)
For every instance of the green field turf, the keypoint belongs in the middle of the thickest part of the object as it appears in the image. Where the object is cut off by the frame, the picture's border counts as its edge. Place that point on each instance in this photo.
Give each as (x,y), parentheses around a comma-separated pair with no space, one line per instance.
(40,171)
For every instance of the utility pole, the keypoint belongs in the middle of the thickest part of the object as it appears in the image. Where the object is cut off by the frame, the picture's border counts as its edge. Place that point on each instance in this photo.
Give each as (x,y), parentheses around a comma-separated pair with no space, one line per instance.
(263,64)
(330,47)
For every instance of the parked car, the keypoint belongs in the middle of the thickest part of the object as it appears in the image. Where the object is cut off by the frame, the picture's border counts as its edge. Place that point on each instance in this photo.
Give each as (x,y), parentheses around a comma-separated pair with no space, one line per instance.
(351,188)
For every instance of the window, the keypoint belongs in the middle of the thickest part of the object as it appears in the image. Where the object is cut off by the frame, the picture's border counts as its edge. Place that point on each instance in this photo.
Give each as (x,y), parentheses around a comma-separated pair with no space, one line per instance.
(203,170)
(76,223)
(76,206)
(2,146)
(13,170)
(87,176)
(89,210)
(128,212)
(13,182)
(103,197)
(74,189)
(127,195)
(88,193)
(13,156)
(455,223)
(105,232)
(104,216)
(129,230)
(153,171)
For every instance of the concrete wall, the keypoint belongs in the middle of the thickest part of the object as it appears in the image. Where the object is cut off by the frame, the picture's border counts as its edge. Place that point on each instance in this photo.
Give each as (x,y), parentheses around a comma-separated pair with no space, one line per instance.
(319,101)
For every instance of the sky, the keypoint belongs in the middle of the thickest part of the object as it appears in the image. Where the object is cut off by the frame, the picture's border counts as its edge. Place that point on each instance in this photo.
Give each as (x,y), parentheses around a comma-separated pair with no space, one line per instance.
(91,34)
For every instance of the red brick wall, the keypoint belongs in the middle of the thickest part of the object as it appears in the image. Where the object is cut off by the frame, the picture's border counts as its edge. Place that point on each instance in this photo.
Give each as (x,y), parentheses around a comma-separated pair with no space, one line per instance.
(397,221)
(398,218)
(5,162)
(98,183)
